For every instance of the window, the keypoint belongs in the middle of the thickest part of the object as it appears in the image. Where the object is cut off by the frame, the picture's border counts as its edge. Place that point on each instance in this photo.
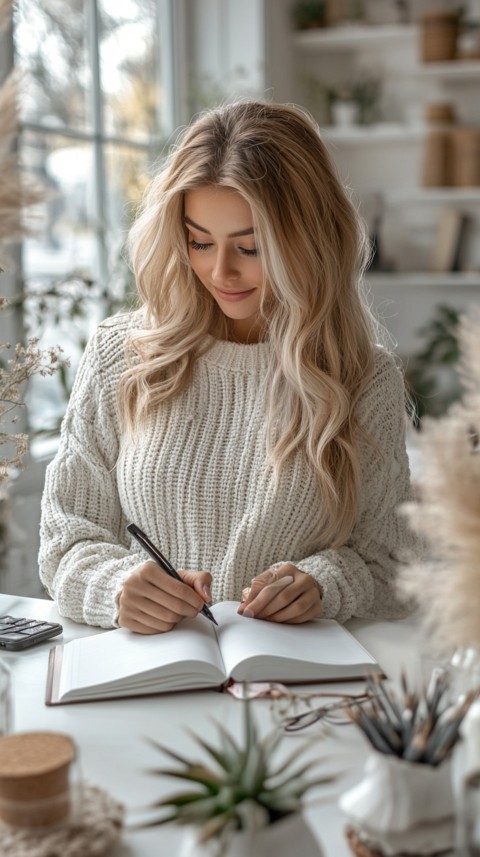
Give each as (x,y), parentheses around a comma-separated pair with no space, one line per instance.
(96,109)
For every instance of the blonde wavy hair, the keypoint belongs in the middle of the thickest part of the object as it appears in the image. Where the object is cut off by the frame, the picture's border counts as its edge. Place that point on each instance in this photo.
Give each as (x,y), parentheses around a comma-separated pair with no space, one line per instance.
(313,251)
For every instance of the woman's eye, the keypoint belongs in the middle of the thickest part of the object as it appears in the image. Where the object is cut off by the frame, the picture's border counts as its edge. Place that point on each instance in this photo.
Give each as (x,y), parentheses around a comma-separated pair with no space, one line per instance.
(195,245)
(246,252)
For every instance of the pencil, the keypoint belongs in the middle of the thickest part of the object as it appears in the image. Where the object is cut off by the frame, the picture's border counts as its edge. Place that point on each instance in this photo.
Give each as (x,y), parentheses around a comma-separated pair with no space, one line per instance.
(162,561)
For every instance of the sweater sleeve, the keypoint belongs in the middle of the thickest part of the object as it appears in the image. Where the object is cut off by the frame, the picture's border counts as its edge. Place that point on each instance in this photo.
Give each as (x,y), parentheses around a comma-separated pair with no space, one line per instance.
(84,556)
(360,578)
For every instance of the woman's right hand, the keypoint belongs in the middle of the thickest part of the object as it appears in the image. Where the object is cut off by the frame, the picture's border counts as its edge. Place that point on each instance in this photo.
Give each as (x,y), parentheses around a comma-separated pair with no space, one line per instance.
(152,602)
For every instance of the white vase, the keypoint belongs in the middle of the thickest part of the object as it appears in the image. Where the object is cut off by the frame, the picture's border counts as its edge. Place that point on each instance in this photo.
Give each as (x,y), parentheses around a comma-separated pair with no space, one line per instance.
(291,835)
(396,795)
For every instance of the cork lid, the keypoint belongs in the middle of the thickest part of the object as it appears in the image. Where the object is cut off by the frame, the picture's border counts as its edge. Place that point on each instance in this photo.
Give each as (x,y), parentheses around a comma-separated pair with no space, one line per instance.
(27,754)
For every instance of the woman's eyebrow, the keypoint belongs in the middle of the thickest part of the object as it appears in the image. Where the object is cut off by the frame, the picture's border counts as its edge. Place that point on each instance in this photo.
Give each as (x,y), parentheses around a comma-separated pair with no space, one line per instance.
(241,232)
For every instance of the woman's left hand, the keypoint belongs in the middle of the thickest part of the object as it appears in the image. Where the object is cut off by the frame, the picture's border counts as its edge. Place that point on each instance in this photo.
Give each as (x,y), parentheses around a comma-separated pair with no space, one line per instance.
(283,593)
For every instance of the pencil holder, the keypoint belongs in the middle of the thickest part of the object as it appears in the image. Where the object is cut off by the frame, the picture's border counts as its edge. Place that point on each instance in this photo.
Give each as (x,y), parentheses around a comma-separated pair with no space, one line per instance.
(400,807)
(38,779)
(466,782)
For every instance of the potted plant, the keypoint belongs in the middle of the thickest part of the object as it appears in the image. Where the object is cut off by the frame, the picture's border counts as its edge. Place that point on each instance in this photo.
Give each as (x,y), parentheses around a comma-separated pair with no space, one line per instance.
(309,14)
(344,110)
(355,102)
(245,803)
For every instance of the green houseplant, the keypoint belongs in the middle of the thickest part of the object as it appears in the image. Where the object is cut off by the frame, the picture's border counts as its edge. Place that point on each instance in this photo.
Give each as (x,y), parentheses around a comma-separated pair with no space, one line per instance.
(431,371)
(243,801)
(308,14)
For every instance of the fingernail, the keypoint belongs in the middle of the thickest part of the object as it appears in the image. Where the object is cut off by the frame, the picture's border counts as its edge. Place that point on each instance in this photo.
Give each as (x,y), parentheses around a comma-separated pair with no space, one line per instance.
(207,591)
(248,613)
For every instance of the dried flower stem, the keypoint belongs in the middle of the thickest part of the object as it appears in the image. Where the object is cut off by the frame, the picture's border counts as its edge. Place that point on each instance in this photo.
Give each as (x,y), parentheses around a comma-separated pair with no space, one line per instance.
(27,361)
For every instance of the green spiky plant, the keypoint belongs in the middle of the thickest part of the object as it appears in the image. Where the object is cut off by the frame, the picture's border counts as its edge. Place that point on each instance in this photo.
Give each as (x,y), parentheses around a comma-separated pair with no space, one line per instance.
(245,789)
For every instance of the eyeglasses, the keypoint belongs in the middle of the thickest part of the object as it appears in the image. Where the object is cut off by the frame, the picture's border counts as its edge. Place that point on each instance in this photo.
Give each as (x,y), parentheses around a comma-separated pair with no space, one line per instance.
(295,712)
(331,713)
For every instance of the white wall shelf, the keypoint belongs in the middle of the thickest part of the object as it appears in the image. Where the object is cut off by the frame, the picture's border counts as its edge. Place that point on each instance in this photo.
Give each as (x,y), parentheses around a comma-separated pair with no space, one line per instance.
(439,195)
(379,133)
(456,70)
(422,279)
(351,36)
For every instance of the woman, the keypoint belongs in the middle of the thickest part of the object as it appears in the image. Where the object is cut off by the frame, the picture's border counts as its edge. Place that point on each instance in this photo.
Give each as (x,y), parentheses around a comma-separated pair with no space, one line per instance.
(243,417)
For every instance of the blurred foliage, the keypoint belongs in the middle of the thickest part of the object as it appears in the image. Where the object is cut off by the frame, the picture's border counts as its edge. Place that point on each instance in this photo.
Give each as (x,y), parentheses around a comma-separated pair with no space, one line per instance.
(308,14)
(71,306)
(431,372)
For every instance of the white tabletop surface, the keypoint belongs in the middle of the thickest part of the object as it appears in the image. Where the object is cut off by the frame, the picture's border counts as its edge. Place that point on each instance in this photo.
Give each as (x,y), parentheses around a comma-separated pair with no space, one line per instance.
(110,735)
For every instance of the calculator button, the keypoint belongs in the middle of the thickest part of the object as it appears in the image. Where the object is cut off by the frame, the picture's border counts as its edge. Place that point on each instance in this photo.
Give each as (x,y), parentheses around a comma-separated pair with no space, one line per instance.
(13,635)
(28,631)
(10,620)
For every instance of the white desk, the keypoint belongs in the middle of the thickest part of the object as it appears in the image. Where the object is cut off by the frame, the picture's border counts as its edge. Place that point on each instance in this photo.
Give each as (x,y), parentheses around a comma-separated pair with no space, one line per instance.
(110,735)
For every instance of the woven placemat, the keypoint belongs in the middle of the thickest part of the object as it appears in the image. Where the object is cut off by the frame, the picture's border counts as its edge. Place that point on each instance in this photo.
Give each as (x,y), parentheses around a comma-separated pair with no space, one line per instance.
(96,828)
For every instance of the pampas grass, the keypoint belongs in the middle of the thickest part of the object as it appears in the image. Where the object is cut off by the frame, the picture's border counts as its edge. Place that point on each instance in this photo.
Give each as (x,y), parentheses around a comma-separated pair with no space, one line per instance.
(447,514)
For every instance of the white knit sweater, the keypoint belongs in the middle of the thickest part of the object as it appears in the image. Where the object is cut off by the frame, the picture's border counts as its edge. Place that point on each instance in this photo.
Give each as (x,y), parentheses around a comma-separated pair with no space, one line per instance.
(196,482)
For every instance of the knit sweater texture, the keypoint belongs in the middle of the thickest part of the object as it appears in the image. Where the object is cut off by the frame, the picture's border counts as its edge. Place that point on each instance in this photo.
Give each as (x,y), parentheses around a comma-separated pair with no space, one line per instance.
(196,480)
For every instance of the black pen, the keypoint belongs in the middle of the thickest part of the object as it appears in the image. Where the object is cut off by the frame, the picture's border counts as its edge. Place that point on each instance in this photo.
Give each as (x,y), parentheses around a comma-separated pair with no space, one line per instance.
(162,562)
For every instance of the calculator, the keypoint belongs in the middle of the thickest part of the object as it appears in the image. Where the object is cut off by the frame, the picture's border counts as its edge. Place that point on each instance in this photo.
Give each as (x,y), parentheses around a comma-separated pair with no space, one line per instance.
(16,633)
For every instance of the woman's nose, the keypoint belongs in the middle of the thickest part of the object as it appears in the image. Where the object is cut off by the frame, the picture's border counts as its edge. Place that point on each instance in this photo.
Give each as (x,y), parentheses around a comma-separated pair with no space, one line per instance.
(224,268)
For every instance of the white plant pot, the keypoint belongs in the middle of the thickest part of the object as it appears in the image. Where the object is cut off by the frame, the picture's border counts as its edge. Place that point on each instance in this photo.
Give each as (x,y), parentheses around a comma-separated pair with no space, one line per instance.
(291,835)
(345,114)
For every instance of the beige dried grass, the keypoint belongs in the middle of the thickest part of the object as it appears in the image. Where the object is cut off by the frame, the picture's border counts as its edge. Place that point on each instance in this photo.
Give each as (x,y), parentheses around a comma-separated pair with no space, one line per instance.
(447,586)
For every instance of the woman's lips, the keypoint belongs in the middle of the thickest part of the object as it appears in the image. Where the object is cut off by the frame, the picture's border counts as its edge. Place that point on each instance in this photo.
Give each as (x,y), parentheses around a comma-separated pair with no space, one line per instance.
(234,296)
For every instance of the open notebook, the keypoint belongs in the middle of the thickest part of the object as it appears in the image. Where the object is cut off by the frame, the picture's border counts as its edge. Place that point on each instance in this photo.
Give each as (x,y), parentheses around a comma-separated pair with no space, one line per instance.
(196,654)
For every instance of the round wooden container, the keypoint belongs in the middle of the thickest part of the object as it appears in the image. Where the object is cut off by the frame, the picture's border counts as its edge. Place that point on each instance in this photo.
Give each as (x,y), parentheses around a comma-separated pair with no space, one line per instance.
(35,778)
(439,36)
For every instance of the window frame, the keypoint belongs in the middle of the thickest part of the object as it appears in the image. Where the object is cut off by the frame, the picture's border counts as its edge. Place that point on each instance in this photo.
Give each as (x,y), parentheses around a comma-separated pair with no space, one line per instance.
(171,20)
